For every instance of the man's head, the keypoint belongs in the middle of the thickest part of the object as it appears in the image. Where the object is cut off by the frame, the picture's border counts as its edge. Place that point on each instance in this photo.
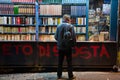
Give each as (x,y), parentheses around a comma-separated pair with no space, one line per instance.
(66,18)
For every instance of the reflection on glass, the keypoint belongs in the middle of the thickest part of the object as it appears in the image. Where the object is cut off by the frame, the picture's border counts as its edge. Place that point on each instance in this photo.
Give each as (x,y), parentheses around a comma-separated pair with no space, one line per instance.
(99,20)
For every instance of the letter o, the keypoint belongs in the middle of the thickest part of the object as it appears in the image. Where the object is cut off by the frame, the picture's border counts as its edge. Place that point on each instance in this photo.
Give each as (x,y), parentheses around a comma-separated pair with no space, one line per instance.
(27,49)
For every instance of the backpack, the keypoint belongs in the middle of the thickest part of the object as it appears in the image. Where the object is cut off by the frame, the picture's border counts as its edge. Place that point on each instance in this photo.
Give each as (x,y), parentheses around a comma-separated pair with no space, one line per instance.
(67,41)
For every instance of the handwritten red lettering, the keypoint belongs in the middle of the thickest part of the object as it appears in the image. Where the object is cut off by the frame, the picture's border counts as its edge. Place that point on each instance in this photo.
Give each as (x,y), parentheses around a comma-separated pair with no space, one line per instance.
(27,50)
(76,53)
(85,53)
(95,48)
(6,49)
(48,50)
(44,51)
(55,51)
(17,48)
(104,52)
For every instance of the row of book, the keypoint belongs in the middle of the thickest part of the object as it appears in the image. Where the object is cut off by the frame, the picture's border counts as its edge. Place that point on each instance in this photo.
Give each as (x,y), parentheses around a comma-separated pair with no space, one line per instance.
(63,1)
(44,9)
(50,10)
(52,29)
(48,30)
(80,38)
(51,21)
(43,21)
(78,10)
(66,9)
(17,37)
(6,9)
(73,1)
(51,38)
(59,10)
(46,1)
(56,21)
(30,37)
(17,20)
(17,29)
(17,9)
(9,1)
(80,29)
(24,9)
(46,38)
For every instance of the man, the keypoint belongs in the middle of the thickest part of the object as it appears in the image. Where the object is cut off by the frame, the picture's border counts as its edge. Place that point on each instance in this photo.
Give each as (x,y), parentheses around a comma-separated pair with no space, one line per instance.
(62,50)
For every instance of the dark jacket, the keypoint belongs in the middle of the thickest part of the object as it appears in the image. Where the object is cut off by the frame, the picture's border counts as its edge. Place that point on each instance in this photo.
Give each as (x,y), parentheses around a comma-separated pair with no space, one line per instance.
(58,35)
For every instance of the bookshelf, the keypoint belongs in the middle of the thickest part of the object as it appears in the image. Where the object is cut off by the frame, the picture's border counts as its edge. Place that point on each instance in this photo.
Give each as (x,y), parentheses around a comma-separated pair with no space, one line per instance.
(51,12)
(19,17)
(17,20)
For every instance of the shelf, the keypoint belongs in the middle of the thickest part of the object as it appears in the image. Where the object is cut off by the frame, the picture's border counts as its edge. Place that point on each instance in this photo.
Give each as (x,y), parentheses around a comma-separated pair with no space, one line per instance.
(46,33)
(17,33)
(17,15)
(76,25)
(75,4)
(18,41)
(18,3)
(14,25)
(72,4)
(42,16)
(80,33)
(47,25)
(60,16)
(44,25)
(49,3)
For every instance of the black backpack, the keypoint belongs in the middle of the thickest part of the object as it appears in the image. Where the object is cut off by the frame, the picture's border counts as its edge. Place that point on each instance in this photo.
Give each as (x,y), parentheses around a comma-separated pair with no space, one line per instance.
(67,41)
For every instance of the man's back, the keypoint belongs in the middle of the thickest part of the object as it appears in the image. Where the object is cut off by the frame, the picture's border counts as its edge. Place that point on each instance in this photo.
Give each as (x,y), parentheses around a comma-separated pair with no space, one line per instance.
(59,36)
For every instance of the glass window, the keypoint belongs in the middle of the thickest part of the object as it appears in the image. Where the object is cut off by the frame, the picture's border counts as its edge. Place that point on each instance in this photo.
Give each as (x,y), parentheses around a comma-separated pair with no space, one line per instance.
(99,20)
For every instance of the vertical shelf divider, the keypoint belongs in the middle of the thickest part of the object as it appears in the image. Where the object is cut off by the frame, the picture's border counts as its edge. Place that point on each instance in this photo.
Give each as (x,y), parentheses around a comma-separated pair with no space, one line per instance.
(87,16)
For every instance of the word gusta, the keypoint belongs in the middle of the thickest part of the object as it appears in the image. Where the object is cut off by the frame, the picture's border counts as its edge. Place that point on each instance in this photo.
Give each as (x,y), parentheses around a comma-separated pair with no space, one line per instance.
(48,50)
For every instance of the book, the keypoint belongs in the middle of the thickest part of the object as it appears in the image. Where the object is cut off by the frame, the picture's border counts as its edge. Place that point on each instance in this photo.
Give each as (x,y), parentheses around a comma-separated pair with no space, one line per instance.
(54,29)
(1,29)
(16,9)
(42,29)
(80,38)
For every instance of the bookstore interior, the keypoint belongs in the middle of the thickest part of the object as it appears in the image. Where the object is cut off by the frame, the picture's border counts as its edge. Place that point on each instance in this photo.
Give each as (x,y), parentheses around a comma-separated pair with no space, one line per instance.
(19,20)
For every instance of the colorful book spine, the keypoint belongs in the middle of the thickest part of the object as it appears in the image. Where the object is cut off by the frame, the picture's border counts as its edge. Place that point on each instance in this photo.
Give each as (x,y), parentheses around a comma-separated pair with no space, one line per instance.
(50,9)
(6,8)
(66,9)
(73,1)
(5,1)
(17,20)
(81,21)
(26,1)
(78,10)
(51,1)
